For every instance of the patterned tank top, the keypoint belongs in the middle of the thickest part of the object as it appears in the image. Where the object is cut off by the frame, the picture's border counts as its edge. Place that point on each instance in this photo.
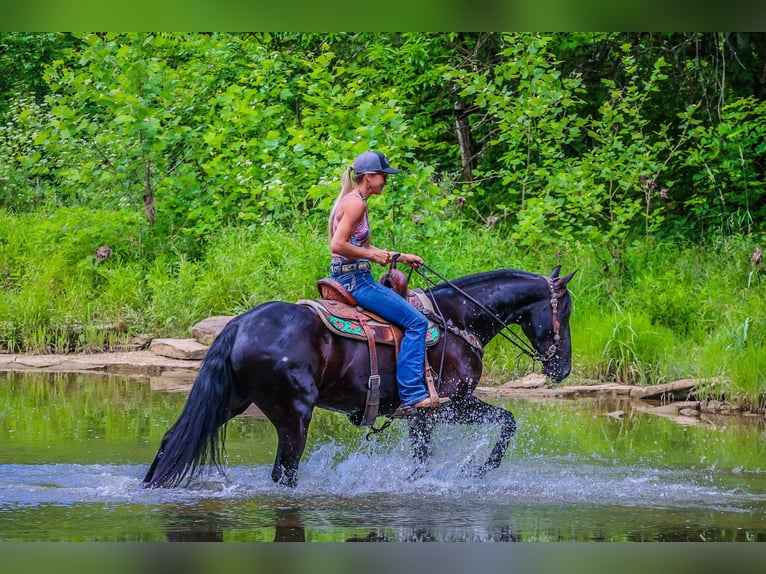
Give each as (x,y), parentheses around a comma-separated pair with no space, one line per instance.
(360,235)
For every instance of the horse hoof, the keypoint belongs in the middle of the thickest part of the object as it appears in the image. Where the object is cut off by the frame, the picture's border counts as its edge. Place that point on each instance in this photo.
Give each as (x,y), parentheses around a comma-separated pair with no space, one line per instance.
(474,471)
(417,474)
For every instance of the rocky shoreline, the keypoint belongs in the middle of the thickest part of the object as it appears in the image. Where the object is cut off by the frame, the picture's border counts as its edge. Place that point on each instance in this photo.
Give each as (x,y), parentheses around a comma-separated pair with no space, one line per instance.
(172,365)
(673,400)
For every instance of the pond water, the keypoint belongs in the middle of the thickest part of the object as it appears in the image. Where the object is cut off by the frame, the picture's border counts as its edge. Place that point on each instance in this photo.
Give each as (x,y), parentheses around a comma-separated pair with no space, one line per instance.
(74,448)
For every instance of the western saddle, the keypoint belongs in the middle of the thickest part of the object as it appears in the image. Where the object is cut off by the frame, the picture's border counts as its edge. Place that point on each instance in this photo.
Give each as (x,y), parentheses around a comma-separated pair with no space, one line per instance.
(343,316)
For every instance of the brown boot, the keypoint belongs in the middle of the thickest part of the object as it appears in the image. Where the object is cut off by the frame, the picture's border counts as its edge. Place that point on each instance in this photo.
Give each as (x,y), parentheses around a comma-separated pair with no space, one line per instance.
(427,403)
(431,403)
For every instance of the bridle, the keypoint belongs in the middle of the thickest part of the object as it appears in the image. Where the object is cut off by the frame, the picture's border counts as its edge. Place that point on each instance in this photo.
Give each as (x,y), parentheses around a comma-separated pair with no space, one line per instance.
(514,338)
(555,322)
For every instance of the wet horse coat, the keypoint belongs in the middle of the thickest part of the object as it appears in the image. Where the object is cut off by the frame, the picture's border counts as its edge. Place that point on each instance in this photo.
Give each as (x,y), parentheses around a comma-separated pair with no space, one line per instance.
(281,357)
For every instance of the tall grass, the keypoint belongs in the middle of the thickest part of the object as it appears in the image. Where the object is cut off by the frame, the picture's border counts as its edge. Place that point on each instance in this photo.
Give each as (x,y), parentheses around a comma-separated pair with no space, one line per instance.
(626,347)
(654,313)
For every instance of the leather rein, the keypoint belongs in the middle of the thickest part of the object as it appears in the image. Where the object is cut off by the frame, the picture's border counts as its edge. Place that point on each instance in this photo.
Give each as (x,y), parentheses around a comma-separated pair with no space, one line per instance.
(514,338)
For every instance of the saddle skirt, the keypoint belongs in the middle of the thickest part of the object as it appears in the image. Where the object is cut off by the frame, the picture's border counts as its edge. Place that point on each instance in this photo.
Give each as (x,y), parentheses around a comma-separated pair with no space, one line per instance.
(346,320)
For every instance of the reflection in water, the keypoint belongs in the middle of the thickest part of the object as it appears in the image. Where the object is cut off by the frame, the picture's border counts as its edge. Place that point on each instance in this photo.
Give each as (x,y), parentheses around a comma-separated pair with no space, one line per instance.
(192,524)
(198,524)
(73,451)
(288,525)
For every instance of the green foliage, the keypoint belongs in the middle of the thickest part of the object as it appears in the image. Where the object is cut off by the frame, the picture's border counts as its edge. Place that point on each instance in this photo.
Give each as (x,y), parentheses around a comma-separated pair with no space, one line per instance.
(25,181)
(664,312)
(579,178)
(727,172)
(633,350)
(52,280)
(567,137)
(208,164)
(665,299)
(658,313)
(203,131)
(23,59)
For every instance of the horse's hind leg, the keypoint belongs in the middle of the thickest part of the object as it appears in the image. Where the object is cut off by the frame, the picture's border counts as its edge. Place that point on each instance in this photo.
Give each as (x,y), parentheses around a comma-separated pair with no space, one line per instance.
(291,432)
(474,411)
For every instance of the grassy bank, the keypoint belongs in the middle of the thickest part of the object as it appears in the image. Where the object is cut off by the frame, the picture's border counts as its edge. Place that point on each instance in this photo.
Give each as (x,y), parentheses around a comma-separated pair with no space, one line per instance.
(648,314)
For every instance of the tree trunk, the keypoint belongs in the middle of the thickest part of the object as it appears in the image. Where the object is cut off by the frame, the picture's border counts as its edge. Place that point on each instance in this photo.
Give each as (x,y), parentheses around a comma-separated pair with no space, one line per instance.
(465,141)
(148,193)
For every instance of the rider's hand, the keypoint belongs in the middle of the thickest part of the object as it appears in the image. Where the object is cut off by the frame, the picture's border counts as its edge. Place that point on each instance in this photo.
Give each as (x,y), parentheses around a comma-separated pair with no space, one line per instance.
(414,261)
(380,256)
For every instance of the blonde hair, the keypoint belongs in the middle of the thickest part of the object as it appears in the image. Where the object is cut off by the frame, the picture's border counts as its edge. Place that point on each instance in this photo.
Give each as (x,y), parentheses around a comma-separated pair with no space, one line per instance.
(346,185)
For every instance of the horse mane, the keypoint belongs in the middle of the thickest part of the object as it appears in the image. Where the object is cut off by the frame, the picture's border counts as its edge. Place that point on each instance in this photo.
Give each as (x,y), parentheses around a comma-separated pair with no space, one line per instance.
(468,281)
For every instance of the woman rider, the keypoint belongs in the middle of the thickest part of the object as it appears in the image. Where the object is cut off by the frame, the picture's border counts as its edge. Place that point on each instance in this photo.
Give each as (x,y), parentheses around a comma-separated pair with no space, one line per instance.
(352,254)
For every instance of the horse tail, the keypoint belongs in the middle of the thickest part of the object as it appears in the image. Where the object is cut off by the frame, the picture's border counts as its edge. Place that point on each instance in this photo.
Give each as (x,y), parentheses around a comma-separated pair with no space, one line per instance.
(198,436)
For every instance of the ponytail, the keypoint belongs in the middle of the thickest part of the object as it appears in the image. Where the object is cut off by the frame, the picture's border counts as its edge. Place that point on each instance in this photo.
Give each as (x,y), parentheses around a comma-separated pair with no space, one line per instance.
(347,184)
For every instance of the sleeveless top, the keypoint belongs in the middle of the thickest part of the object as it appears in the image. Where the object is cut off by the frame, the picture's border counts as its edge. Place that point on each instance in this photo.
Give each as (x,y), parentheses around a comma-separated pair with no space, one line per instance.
(359,237)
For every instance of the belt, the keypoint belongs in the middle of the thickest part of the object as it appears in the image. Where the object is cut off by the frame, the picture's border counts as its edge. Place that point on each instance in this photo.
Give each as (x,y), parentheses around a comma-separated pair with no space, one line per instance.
(361,265)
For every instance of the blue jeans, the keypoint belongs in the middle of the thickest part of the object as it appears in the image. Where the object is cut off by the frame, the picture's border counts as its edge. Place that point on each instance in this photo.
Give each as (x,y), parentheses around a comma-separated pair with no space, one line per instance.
(410,366)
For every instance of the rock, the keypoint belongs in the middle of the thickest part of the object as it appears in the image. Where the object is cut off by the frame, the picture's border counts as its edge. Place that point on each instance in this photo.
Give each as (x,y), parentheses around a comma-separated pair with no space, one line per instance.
(612,390)
(102,253)
(616,414)
(207,330)
(173,380)
(670,411)
(529,388)
(719,407)
(675,408)
(678,390)
(142,341)
(533,381)
(254,412)
(187,349)
(137,364)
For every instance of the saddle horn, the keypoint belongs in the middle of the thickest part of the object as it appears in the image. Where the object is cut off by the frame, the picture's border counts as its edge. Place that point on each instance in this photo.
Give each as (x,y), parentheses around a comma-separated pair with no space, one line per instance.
(395,279)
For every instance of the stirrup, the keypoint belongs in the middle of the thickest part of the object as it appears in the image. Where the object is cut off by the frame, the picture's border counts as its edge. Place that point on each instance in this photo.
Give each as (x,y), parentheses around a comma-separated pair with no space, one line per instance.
(409,410)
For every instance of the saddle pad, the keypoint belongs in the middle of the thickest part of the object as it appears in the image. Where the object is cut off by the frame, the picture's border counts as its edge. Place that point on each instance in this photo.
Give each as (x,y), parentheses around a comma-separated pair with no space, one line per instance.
(345,320)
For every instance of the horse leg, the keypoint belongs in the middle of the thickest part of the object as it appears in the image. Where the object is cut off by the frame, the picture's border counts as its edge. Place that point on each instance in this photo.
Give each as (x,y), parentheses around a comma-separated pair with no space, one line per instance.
(292,443)
(421,427)
(474,411)
(291,421)
(279,363)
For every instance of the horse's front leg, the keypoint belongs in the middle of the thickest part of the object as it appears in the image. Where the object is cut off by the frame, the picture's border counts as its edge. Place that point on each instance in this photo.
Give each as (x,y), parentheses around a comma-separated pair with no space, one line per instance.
(474,411)
(421,428)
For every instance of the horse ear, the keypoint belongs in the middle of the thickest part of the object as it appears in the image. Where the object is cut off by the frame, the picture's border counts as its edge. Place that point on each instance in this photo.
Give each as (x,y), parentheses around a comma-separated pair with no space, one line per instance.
(555,272)
(562,283)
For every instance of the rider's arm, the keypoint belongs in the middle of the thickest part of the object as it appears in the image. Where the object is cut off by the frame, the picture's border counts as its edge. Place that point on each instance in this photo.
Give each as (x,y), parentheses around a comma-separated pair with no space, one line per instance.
(350,217)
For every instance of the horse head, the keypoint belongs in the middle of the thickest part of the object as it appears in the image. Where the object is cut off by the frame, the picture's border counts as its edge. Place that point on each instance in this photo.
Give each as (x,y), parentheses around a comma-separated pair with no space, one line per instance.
(545,322)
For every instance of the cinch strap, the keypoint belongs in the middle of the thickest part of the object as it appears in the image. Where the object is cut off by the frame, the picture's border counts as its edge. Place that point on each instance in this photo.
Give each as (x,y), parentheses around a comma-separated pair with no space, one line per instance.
(373,386)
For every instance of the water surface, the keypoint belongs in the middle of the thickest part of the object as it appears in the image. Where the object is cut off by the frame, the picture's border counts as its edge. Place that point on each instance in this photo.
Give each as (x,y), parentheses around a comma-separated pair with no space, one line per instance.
(74,448)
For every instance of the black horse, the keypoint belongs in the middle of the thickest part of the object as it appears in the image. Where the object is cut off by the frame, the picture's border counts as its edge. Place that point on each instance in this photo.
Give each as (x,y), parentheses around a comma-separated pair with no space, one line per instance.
(281,357)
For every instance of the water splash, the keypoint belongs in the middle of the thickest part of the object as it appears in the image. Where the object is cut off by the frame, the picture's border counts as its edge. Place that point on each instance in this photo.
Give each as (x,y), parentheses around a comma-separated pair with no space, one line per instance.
(370,470)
